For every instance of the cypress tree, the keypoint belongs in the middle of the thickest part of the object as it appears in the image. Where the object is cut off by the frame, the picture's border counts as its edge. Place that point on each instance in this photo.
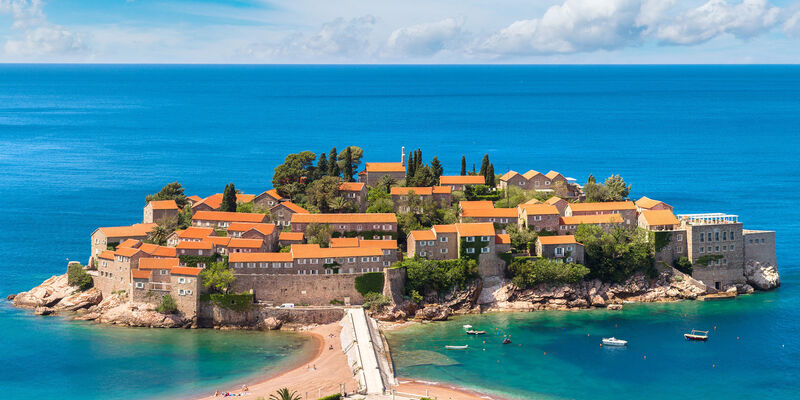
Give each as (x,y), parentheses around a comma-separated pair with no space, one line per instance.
(473,169)
(333,166)
(591,179)
(418,159)
(412,168)
(484,165)
(322,165)
(436,168)
(229,198)
(490,176)
(463,165)
(347,173)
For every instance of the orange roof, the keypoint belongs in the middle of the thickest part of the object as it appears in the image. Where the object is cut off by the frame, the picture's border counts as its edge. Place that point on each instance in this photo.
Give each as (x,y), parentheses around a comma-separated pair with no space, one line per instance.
(603,206)
(422,235)
(442,190)
(126,251)
(246,243)
(129,243)
(291,236)
(479,229)
(242,226)
(185,271)
(508,175)
(134,230)
(344,242)
(490,213)
(140,274)
(264,229)
(228,216)
(351,186)
(215,200)
(533,201)
(659,217)
(314,251)
(164,251)
(385,167)
(274,194)
(148,248)
(244,198)
(502,238)
(530,174)
(553,200)
(108,255)
(203,245)
(462,180)
(553,175)
(591,219)
(379,244)
(539,209)
(219,240)
(196,232)
(561,239)
(648,203)
(158,263)
(293,207)
(445,228)
(467,205)
(259,257)
(404,191)
(163,205)
(355,218)
(195,198)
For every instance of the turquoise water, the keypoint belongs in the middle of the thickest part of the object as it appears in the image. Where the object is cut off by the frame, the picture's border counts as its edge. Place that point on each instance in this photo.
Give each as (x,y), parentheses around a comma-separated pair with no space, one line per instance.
(82,145)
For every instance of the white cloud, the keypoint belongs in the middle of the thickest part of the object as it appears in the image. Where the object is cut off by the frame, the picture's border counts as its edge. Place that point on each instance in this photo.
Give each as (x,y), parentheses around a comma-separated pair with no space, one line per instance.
(34,37)
(792,25)
(716,17)
(574,26)
(425,39)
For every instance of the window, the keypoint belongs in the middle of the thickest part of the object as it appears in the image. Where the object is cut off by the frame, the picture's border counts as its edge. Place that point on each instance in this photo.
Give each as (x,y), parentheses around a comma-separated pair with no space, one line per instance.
(328,260)
(724,235)
(443,239)
(716,236)
(188,291)
(431,243)
(351,260)
(484,250)
(364,259)
(422,254)
(181,292)
(724,248)
(485,238)
(702,238)
(732,247)
(724,261)
(444,251)
(709,236)
(287,265)
(422,243)
(164,271)
(762,241)
(569,259)
(708,249)
(546,183)
(276,265)
(139,285)
(200,252)
(679,237)
(537,217)
(181,280)
(732,235)
(470,239)
(314,261)
(470,250)
(559,251)
(716,248)
(376,259)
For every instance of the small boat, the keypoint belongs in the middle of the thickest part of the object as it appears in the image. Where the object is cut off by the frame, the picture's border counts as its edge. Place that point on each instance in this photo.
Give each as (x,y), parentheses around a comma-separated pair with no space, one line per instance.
(467,327)
(696,335)
(506,341)
(612,341)
(464,347)
(474,332)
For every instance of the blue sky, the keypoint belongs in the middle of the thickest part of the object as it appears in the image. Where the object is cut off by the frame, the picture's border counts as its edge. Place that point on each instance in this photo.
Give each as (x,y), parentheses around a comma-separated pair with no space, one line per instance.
(400,31)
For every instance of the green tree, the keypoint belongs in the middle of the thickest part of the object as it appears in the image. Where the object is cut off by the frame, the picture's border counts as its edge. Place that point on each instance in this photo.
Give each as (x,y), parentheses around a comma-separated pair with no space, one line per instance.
(171,191)
(319,234)
(490,176)
(425,276)
(291,176)
(591,179)
(379,201)
(322,166)
(341,205)
(463,165)
(228,198)
(164,227)
(78,277)
(217,277)
(484,165)
(185,218)
(356,154)
(522,239)
(423,176)
(333,166)
(386,182)
(322,192)
(526,273)
(347,169)
(596,192)
(617,254)
(617,189)
(410,168)
(284,394)
(437,169)
(168,305)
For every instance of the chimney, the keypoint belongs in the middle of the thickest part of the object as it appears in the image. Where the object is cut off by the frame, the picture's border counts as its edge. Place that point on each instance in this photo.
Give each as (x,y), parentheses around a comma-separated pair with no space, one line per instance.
(403,155)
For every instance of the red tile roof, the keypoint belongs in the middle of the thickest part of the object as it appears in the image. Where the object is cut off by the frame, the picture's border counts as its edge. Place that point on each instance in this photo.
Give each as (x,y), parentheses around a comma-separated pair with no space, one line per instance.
(246,243)
(291,236)
(293,207)
(354,218)
(228,216)
(344,242)
(479,229)
(531,174)
(164,251)
(219,240)
(259,257)
(602,206)
(351,186)
(126,251)
(158,263)
(490,213)
(466,205)
(539,209)
(561,239)
(553,200)
(107,255)
(659,217)
(196,232)
(647,203)
(195,198)
(202,245)
(141,274)
(422,235)
(215,200)
(384,167)
(185,271)
(508,175)
(502,238)
(129,243)
(445,228)
(314,251)
(462,180)
(148,248)
(591,219)
(163,205)
(405,191)
(380,244)
(134,230)
(553,175)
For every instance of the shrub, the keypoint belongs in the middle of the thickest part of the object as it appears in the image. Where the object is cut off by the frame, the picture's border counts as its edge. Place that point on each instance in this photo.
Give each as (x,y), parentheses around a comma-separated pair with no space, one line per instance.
(336,396)
(439,275)
(415,297)
(369,282)
(336,302)
(529,273)
(617,254)
(76,276)
(236,302)
(376,301)
(684,265)
(168,305)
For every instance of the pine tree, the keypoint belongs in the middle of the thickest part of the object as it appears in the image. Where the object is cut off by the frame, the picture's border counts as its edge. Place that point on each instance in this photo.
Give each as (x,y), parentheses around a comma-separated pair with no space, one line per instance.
(322,165)
(347,173)
(228,198)
(484,165)
(436,168)
(490,176)
(463,165)
(333,166)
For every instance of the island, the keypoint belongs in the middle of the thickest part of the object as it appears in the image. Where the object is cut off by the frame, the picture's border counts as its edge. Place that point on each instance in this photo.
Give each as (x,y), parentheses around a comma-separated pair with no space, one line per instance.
(349,249)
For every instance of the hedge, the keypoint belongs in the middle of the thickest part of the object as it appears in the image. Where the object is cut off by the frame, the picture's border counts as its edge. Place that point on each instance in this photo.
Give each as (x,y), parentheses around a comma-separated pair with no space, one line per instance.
(336,396)
(237,302)
(367,235)
(192,261)
(370,282)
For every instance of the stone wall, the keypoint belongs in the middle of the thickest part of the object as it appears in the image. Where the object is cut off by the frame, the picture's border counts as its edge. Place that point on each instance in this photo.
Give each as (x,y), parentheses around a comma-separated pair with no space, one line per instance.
(760,246)
(490,265)
(299,289)
(211,315)
(394,284)
(147,296)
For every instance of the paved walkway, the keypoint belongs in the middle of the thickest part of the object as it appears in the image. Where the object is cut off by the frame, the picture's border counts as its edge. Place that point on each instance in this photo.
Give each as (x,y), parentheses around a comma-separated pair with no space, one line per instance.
(367,356)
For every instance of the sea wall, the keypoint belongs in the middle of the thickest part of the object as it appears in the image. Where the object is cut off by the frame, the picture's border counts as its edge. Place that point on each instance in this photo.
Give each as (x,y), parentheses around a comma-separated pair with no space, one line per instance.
(299,289)
(265,317)
(394,284)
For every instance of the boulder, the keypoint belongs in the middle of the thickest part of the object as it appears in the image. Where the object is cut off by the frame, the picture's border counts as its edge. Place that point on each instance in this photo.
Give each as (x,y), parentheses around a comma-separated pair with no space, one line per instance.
(10,297)
(598,301)
(47,294)
(272,323)
(80,300)
(42,310)
(614,307)
(761,277)
(433,312)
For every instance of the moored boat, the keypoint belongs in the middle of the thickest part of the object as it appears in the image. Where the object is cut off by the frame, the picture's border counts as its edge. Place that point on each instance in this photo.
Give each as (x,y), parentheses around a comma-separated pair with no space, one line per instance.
(696,335)
(612,341)
(474,332)
(450,347)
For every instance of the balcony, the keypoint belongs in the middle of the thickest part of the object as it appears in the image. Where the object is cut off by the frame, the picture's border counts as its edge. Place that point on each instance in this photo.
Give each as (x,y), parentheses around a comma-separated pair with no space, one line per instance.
(159,286)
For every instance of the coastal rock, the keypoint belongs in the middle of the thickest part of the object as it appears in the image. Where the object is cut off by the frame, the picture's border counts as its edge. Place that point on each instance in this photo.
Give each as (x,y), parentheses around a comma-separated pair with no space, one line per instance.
(614,307)
(761,277)
(10,297)
(272,323)
(79,300)
(47,294)
(433,312)
(141,316)
(42,310)
(395,313)
(743,288)
(598,301)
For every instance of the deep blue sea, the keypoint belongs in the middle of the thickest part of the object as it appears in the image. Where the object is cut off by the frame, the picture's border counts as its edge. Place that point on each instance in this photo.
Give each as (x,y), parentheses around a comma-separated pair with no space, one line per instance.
(82,145)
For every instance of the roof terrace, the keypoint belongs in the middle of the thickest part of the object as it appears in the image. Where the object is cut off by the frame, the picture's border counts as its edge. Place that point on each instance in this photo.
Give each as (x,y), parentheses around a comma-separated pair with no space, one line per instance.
(709,218)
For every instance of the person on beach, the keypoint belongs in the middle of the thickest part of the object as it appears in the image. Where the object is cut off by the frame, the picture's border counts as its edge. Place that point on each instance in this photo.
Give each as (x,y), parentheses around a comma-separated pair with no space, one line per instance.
(216,394)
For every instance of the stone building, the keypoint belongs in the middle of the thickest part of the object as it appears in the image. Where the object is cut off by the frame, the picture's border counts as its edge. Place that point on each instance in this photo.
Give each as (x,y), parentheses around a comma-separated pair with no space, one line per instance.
(157,210)
(540,217)
(646,203)
(626,209)
(446,242)
(658,220)
(400,196)
(311,259)
(365,226)
(499,216)
(103,239)
(715,248)
(267,200)
(355,192)
(223,219)
(559,203)
(561,247)
(460,182)
(282,212)
(214,202)
(373,172)
(568,225)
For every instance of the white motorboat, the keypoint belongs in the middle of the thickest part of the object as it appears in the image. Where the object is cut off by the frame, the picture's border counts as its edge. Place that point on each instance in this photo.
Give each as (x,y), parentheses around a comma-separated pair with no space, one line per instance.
(467,327)
(614,342)
(464,347)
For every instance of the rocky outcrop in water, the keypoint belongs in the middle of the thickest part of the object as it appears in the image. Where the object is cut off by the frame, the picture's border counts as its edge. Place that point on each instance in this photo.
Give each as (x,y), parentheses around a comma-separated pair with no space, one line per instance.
(761,277)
